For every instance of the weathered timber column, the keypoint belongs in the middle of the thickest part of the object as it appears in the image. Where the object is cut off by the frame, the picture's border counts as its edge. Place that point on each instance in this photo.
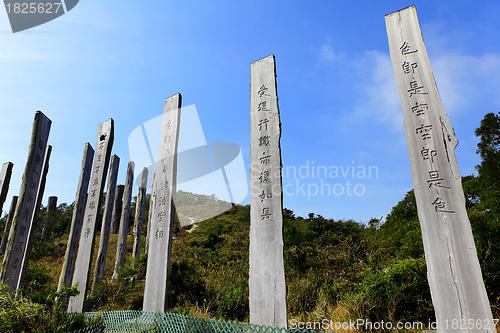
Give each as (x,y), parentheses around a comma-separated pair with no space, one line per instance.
(160,242)
(47,228)
(267,275)
(453,270)
(68,268)
(152,198)
(45,171)
(5,175)
(117,209)
(26,205)
(121,247)
(104,143)
(34,225)
(7,224)
(106,223)
(139,213)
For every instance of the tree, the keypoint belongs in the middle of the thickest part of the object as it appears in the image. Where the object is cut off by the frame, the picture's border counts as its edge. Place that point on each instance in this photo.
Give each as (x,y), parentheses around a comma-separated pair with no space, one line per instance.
(489,169)
(484,215)
(401,230)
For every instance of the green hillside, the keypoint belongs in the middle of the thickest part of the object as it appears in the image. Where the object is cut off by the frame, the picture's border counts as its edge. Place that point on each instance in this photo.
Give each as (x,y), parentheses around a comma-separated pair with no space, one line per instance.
(335,270)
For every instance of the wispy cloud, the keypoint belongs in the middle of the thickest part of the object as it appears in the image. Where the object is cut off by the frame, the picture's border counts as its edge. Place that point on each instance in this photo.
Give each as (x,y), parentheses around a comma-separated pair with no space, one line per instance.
(375,97)
(381,95)
(464,81)
(327,53)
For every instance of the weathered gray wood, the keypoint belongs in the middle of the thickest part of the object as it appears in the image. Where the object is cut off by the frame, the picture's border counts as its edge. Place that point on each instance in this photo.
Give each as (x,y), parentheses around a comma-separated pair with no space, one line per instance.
(106,223)
(267,276)
(5,175)
(454,274)
(47,227)
(117,209)
(52,204)
(152,199)
(26,204)
(104,143)
(68,268)
(160,242)
(41,187)
(34,224)
(7,224)
(121,247)
(139,213)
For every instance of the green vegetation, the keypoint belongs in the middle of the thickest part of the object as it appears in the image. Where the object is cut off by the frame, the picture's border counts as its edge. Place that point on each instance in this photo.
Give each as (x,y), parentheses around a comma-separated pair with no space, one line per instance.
(34,314)
(335,270)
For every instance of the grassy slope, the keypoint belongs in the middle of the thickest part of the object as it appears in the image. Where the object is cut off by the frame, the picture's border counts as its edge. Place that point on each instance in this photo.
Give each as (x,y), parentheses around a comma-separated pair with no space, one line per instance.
(335,270)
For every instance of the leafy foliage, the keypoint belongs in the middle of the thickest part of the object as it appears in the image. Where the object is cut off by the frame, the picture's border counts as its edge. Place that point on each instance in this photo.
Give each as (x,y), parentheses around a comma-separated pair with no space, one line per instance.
(398,292)
(36,311)
(21,315)
(489,150)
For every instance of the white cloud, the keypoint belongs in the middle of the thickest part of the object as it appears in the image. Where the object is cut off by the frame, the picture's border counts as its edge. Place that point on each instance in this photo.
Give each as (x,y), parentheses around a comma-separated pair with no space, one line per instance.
(377,96)
(463,81)
(327,53)
(382,93)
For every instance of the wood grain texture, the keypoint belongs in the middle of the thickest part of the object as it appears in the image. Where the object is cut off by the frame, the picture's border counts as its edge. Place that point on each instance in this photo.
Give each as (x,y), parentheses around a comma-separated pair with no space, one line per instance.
(266,276)
(160,238)
(104,144)
(454,274)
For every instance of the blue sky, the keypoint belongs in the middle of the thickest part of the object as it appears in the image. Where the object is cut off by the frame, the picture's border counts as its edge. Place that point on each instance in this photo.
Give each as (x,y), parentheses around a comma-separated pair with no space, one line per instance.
(337,94)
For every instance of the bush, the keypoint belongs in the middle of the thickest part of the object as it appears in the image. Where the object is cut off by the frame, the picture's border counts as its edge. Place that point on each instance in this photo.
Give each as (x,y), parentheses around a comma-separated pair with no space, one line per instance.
(23,315)
(229,299)
(185,284)
(398,292)
(38,285)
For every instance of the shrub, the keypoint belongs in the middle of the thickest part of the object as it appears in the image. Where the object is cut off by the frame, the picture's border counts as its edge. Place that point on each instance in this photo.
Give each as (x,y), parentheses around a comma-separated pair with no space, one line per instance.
(22,315)
(398,292)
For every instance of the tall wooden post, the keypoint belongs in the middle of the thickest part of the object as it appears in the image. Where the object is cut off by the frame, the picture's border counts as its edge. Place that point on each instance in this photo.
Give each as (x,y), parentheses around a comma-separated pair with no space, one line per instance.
(267,274)
(124,221)
(117,209)
(453,270)
(106,223)
(26,208)
(139,213)
(5,175)
(47,228)
(66,277)
(33,227)
(5,237)
(104,143)
(152,201)
(160,240)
